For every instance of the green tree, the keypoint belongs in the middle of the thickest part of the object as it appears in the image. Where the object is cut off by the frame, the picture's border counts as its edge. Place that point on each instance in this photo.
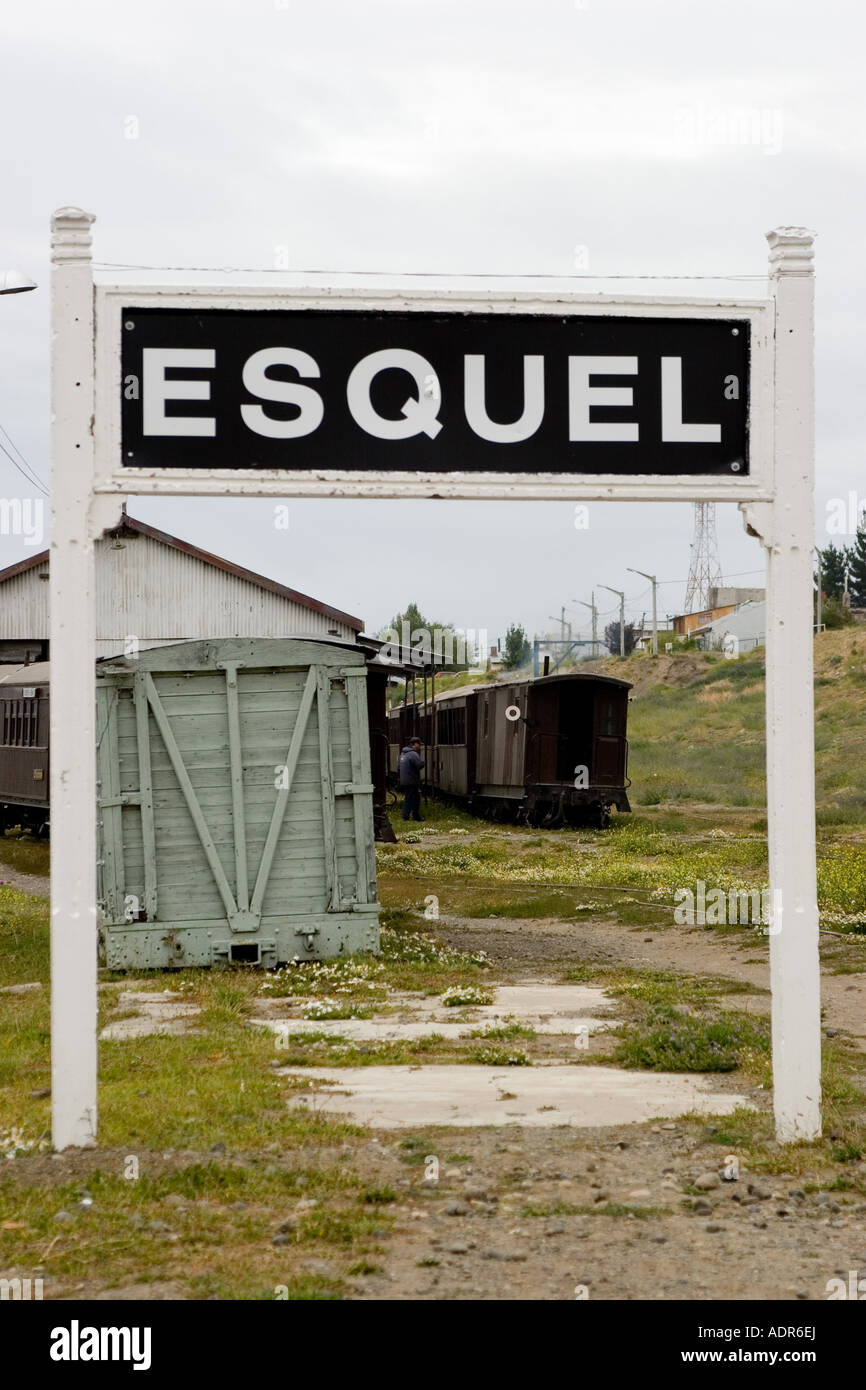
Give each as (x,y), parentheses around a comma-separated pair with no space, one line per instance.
(427,642)
(412,615)
(611,638)
(517,647)
(857,567)
(834,563)
(835,614)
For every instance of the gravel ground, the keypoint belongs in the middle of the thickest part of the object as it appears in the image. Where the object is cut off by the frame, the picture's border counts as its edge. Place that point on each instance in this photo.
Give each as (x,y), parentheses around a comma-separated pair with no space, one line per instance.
(532,1214)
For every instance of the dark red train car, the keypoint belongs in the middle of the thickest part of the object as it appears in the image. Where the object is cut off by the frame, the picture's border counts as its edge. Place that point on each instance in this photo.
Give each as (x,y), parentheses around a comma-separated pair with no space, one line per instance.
(24,742)
(550,752)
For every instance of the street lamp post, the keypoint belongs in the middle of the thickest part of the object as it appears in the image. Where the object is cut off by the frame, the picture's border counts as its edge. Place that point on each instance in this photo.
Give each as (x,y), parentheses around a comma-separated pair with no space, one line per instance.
(13,282)
(593,609)
(654,582)
(621,597)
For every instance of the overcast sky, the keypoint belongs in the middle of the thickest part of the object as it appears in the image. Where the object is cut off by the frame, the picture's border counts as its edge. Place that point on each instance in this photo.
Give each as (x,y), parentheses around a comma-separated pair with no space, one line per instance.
(473,136)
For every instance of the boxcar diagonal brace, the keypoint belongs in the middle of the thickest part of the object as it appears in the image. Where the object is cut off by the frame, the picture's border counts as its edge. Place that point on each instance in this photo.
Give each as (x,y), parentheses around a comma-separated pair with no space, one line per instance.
(282,800)
(235,918)
(236,767)
(242,914)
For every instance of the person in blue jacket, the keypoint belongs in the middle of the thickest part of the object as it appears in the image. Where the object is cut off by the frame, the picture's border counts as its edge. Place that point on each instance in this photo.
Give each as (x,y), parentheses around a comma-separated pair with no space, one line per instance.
(409,769)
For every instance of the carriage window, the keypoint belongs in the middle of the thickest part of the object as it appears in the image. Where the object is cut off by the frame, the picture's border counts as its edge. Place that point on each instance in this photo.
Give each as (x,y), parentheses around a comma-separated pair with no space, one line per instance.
(20,719)
(451,726)
(607,718)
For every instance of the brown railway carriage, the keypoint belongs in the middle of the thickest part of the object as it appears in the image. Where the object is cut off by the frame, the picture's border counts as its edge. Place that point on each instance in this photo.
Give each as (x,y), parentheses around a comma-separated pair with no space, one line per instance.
(24,742)
(551,751)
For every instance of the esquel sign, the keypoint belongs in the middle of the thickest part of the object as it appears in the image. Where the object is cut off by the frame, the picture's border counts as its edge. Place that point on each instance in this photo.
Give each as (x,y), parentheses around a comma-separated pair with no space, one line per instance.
(434,391)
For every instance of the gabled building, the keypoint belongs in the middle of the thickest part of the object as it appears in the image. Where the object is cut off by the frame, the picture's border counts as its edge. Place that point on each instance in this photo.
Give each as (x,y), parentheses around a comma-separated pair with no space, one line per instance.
(152,588)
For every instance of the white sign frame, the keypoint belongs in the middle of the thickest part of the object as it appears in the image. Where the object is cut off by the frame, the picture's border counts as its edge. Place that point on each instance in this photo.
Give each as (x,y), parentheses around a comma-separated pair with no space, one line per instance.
(757,485)
(776,500)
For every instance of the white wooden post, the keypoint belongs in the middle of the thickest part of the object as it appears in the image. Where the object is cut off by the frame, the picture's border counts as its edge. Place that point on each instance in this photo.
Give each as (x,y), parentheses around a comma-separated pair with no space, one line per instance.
(789,538)
(779,510)
(73,718)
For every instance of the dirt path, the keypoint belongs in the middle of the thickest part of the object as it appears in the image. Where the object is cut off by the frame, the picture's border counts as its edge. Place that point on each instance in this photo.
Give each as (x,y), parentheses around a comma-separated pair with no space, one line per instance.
(561,1214)
(530,944)
(38,885)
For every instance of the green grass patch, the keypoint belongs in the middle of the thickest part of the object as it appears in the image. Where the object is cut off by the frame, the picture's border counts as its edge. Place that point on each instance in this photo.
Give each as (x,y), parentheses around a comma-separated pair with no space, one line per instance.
(670,1040)
(24,923)
(25,853)
(505,1032)
(499,1057)
(614,1209)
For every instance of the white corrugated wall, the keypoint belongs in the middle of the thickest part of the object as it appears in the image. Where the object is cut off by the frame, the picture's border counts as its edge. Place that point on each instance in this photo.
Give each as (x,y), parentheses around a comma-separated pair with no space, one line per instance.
(24,606)
(150,591)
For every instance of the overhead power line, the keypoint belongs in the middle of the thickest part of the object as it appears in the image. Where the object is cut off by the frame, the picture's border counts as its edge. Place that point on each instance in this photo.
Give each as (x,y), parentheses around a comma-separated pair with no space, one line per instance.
(405,274)
(23,467)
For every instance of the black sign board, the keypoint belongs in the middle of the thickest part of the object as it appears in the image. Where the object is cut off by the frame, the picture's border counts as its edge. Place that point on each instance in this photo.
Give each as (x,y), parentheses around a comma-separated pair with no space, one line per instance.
(434,391)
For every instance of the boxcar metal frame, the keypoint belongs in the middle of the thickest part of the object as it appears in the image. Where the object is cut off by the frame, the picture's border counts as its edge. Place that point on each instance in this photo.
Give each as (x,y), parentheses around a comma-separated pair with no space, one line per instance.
(775,498)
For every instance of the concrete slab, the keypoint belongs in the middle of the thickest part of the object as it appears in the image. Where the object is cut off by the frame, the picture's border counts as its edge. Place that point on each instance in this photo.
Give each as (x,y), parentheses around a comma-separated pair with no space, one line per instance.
(548,1000)
(585,1097)
(396,1030)
(554,1009)
(142,1027)
(156,1013)
(523,1003)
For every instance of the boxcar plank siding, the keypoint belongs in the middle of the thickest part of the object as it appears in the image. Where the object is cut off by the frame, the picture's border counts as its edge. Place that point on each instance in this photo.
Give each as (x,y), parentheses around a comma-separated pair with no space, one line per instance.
(209,833)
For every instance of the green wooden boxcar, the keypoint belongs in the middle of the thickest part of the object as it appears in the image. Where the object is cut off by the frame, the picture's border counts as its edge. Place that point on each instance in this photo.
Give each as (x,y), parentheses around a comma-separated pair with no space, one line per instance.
(235,804)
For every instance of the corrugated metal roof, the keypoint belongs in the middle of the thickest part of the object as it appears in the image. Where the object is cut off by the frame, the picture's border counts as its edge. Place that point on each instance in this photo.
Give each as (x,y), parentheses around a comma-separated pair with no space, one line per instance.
(460,690)
(37,673)
(131,526)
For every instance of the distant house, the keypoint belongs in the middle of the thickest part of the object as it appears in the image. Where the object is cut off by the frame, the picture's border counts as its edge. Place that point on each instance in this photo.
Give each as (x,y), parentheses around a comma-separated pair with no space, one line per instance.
(746,626)
(694,624)
(152,588)
(723,602)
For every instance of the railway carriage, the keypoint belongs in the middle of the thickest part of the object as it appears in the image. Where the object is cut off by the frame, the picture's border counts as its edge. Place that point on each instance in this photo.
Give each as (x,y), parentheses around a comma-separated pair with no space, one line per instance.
(24,745)
(551,752)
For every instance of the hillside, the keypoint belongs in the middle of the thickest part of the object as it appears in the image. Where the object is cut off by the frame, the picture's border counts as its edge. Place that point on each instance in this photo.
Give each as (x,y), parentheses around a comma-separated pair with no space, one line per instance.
(696,727)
